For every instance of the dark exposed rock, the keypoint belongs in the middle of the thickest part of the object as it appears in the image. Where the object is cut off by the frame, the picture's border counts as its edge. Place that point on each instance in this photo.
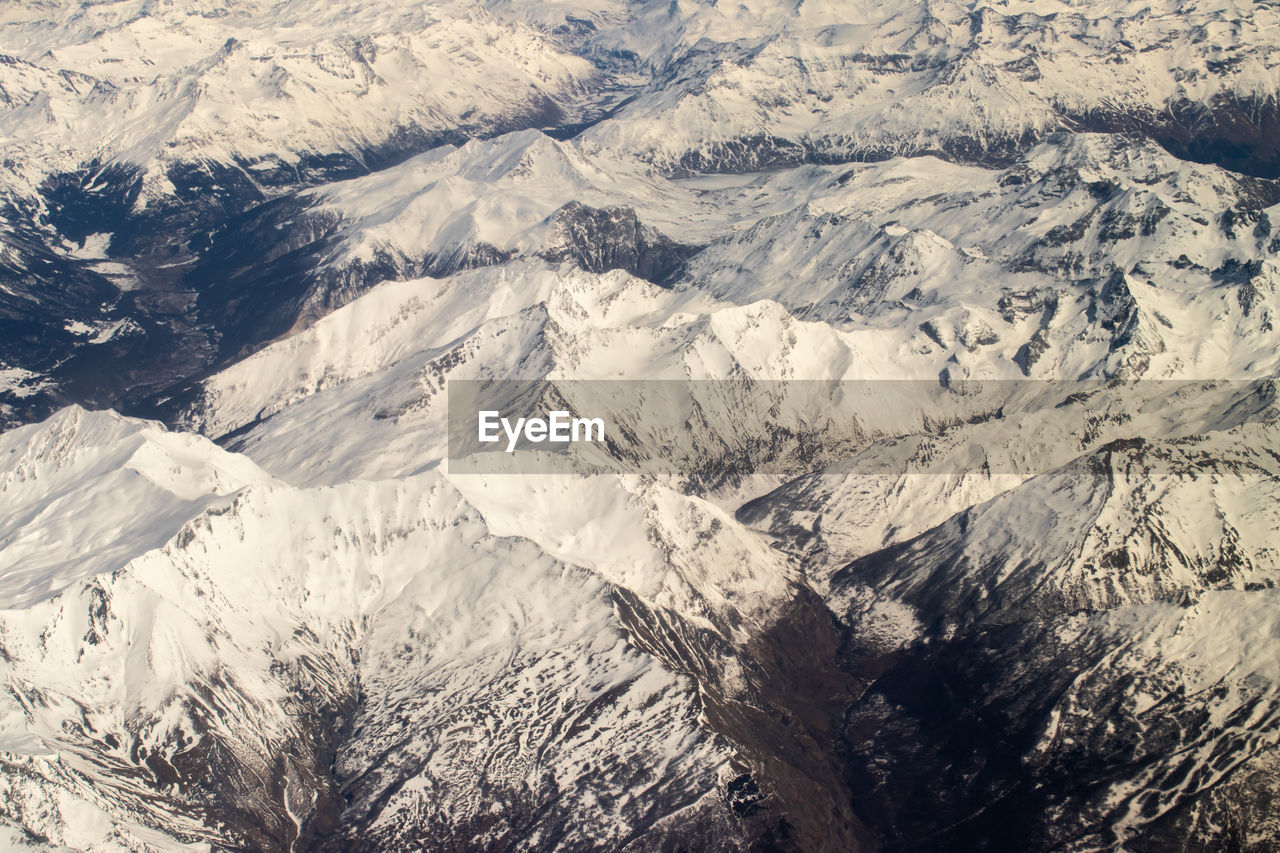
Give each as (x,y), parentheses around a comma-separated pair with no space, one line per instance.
(782,710)
(603,239)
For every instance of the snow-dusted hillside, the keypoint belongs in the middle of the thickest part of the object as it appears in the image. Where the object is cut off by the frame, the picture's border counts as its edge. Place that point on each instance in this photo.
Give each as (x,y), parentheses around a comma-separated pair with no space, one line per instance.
(269,86)
(762,84)
(1117,612)
(939,344)
(223,673)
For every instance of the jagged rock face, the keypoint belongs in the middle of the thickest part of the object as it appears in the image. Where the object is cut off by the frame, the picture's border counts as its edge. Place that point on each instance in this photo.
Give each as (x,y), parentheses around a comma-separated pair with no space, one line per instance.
(1027,666)
(1075,733)
(1020,597)
(613,239)
(393,694)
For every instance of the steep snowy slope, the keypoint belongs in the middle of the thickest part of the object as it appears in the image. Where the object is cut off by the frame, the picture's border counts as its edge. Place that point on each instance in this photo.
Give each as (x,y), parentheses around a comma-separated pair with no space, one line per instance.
(460,684)
(752,85)
(1103,638)
(1134,522)
(85,492)
(269,87)
(894,490)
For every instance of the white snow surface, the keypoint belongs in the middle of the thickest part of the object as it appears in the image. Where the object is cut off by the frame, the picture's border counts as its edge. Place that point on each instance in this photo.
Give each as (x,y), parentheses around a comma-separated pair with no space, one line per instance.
(170,605)
(242,592)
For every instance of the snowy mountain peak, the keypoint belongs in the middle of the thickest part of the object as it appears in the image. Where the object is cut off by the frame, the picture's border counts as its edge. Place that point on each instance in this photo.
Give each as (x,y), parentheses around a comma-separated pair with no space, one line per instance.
(938,342)
(112,486)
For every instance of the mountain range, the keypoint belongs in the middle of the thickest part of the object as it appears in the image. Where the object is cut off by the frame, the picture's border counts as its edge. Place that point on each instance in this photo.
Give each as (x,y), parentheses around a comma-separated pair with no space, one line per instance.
(967,311)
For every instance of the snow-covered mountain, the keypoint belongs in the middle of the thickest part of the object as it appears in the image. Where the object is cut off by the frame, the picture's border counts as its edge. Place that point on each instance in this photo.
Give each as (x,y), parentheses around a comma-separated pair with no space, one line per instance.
(939,338)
